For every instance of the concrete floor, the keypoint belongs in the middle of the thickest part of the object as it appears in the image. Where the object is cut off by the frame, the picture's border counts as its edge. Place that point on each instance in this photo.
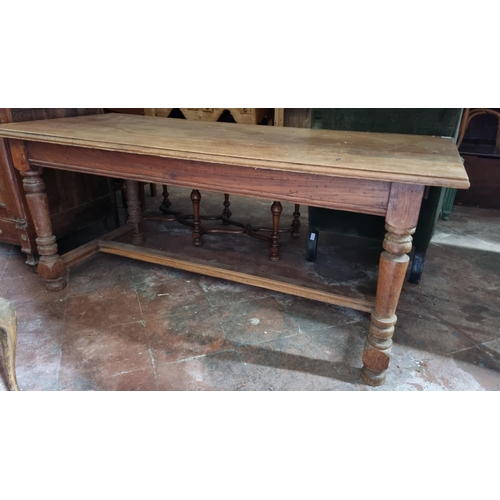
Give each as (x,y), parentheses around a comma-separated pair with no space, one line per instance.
(127,325)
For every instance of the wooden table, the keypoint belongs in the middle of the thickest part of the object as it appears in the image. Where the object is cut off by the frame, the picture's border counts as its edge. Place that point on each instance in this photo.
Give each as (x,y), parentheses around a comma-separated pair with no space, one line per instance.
(381,174)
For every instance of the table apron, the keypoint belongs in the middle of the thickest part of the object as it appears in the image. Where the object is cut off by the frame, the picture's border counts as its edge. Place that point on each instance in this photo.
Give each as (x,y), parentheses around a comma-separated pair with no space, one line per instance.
(355,195)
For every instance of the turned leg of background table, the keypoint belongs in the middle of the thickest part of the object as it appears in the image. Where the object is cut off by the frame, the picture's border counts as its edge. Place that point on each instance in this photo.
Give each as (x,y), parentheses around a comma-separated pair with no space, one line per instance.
(401,220)
(226,213)
(296,222)
(50,267)
(8,338)
(196,199)
(134,211)
(166,203)
(276,210)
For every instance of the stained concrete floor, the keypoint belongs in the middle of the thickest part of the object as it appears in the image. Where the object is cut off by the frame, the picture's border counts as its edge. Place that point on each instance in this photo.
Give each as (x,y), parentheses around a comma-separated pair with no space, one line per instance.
(127,325)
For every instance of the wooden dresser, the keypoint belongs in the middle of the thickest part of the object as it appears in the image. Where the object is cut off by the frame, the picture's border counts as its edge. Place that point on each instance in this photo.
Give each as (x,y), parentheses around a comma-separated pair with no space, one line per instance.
(76,200)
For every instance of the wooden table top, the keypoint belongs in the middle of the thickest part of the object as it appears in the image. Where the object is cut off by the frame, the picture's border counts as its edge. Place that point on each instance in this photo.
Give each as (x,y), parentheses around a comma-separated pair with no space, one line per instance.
(414,159)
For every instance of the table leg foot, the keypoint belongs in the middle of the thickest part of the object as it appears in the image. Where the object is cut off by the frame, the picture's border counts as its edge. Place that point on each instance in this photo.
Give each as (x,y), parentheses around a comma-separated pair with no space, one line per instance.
(55,285)
(392,270)
(371,378)
(51,267)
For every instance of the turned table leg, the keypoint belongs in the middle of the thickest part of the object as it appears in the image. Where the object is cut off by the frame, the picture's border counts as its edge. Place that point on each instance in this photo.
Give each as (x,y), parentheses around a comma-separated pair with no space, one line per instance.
(50,267)
(8,338)
(166,203)
(296,222)
(226,213)
(401,220)
(134,211)
(276,210)
(196,199)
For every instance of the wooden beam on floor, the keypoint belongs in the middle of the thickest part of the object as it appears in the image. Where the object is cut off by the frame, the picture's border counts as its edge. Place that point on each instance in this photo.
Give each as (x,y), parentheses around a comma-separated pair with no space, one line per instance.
(154,256)
(85,251)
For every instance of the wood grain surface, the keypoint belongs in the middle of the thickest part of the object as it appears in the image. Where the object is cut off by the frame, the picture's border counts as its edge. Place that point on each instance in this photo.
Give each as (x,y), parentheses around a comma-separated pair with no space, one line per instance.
(411,159)
(359,195)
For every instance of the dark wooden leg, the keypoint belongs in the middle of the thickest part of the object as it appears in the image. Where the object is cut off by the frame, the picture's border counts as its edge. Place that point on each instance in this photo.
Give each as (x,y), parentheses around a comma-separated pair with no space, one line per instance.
(401,220)
(165,205)
(152,189)
(196,198)
(296,222)
(276,210)
(226,213)
(134,211)
(123,191)
(50,267)
(8,338)
(112,193)
(142,195)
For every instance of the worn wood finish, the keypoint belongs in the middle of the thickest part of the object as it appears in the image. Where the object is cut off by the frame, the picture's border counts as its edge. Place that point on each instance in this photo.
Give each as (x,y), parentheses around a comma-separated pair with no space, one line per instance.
(432,161)
(15,222)
(8,338)
(384,174)
(279,117)
(134,211)
(297,117)
(85,251)
(251,116)
(153,256)
(401,221)
(50,267)
(362,195)
(75,200)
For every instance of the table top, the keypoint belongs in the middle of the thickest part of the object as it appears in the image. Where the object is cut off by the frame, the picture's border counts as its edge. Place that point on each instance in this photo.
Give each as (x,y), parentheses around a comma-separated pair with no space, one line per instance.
(414,159)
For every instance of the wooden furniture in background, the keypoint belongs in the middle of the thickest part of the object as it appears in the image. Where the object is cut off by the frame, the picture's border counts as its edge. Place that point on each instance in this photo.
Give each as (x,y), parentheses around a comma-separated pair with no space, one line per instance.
(292,117)
(381,174)
(279,117)
(479,146)
(253,116)
(8,338)
(249,116)
(75,200)
(469,114)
